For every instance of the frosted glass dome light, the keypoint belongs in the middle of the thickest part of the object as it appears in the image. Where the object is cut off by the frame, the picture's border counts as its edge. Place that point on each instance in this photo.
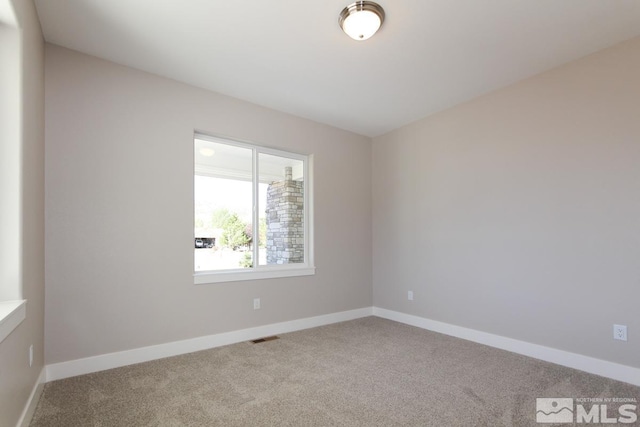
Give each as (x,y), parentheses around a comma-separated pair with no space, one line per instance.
(361,20)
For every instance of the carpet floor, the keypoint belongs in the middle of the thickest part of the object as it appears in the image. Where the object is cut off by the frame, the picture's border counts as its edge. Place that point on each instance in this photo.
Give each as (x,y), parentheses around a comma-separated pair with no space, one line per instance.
(365,372)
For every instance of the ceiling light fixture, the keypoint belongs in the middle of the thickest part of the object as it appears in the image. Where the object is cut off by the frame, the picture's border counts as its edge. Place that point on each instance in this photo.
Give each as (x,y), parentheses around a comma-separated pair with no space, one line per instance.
(207,152)
(361,20)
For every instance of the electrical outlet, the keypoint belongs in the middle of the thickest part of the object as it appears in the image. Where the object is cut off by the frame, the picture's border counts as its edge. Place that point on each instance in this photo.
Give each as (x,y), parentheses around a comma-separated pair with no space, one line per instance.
(620,332)
(31,355)
(410,295)
(256,303)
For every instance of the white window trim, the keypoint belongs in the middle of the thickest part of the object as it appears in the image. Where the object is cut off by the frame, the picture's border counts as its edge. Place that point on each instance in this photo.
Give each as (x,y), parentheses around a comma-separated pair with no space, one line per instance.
(203,278)
(12,313)
(12,309)
(267,271)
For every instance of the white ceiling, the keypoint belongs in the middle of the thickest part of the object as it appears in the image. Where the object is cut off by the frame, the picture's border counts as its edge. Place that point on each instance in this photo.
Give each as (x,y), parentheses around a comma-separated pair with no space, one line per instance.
(292,56)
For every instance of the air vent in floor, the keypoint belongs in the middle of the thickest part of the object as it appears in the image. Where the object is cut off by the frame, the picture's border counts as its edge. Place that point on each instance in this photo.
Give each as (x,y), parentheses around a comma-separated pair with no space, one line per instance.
(265,339)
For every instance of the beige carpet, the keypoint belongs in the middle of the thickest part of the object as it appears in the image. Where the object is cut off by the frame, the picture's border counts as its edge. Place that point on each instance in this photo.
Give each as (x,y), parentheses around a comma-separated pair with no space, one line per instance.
(366,372)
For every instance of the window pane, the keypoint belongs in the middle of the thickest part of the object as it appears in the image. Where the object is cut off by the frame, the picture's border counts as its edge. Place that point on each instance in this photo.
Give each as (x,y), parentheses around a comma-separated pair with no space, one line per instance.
(223,194)
(281,210)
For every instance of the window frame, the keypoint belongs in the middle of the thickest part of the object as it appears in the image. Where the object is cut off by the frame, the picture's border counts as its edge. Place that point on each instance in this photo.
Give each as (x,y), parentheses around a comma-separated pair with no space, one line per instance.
(307,268)
(12,306)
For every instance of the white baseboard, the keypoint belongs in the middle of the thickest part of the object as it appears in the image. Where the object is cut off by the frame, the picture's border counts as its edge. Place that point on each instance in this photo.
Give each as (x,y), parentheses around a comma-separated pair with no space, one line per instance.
(592,365)
(32,403)
(102,362)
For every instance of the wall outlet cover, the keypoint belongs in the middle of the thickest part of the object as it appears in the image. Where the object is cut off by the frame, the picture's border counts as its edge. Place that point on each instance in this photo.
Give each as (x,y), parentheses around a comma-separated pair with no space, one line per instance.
(620,332)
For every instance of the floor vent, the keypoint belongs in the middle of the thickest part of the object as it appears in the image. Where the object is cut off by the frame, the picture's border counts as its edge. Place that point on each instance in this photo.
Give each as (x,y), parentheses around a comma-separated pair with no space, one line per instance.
(265,339)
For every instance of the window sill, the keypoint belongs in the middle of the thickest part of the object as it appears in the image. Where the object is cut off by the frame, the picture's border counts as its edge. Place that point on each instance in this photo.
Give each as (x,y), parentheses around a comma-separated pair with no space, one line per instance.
(12,313)
(239,275)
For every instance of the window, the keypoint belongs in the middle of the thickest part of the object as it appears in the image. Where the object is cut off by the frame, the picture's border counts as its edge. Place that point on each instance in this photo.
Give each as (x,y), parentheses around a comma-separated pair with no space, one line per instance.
(12,307)
(252,212)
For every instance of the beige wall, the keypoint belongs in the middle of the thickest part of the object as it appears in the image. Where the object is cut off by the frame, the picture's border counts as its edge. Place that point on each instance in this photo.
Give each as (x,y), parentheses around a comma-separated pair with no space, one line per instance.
(119,242)
(17,379)
(518,213)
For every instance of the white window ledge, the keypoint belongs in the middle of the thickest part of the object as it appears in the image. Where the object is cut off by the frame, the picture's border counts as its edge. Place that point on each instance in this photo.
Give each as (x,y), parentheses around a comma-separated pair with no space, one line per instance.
(238,275)
(12,313)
